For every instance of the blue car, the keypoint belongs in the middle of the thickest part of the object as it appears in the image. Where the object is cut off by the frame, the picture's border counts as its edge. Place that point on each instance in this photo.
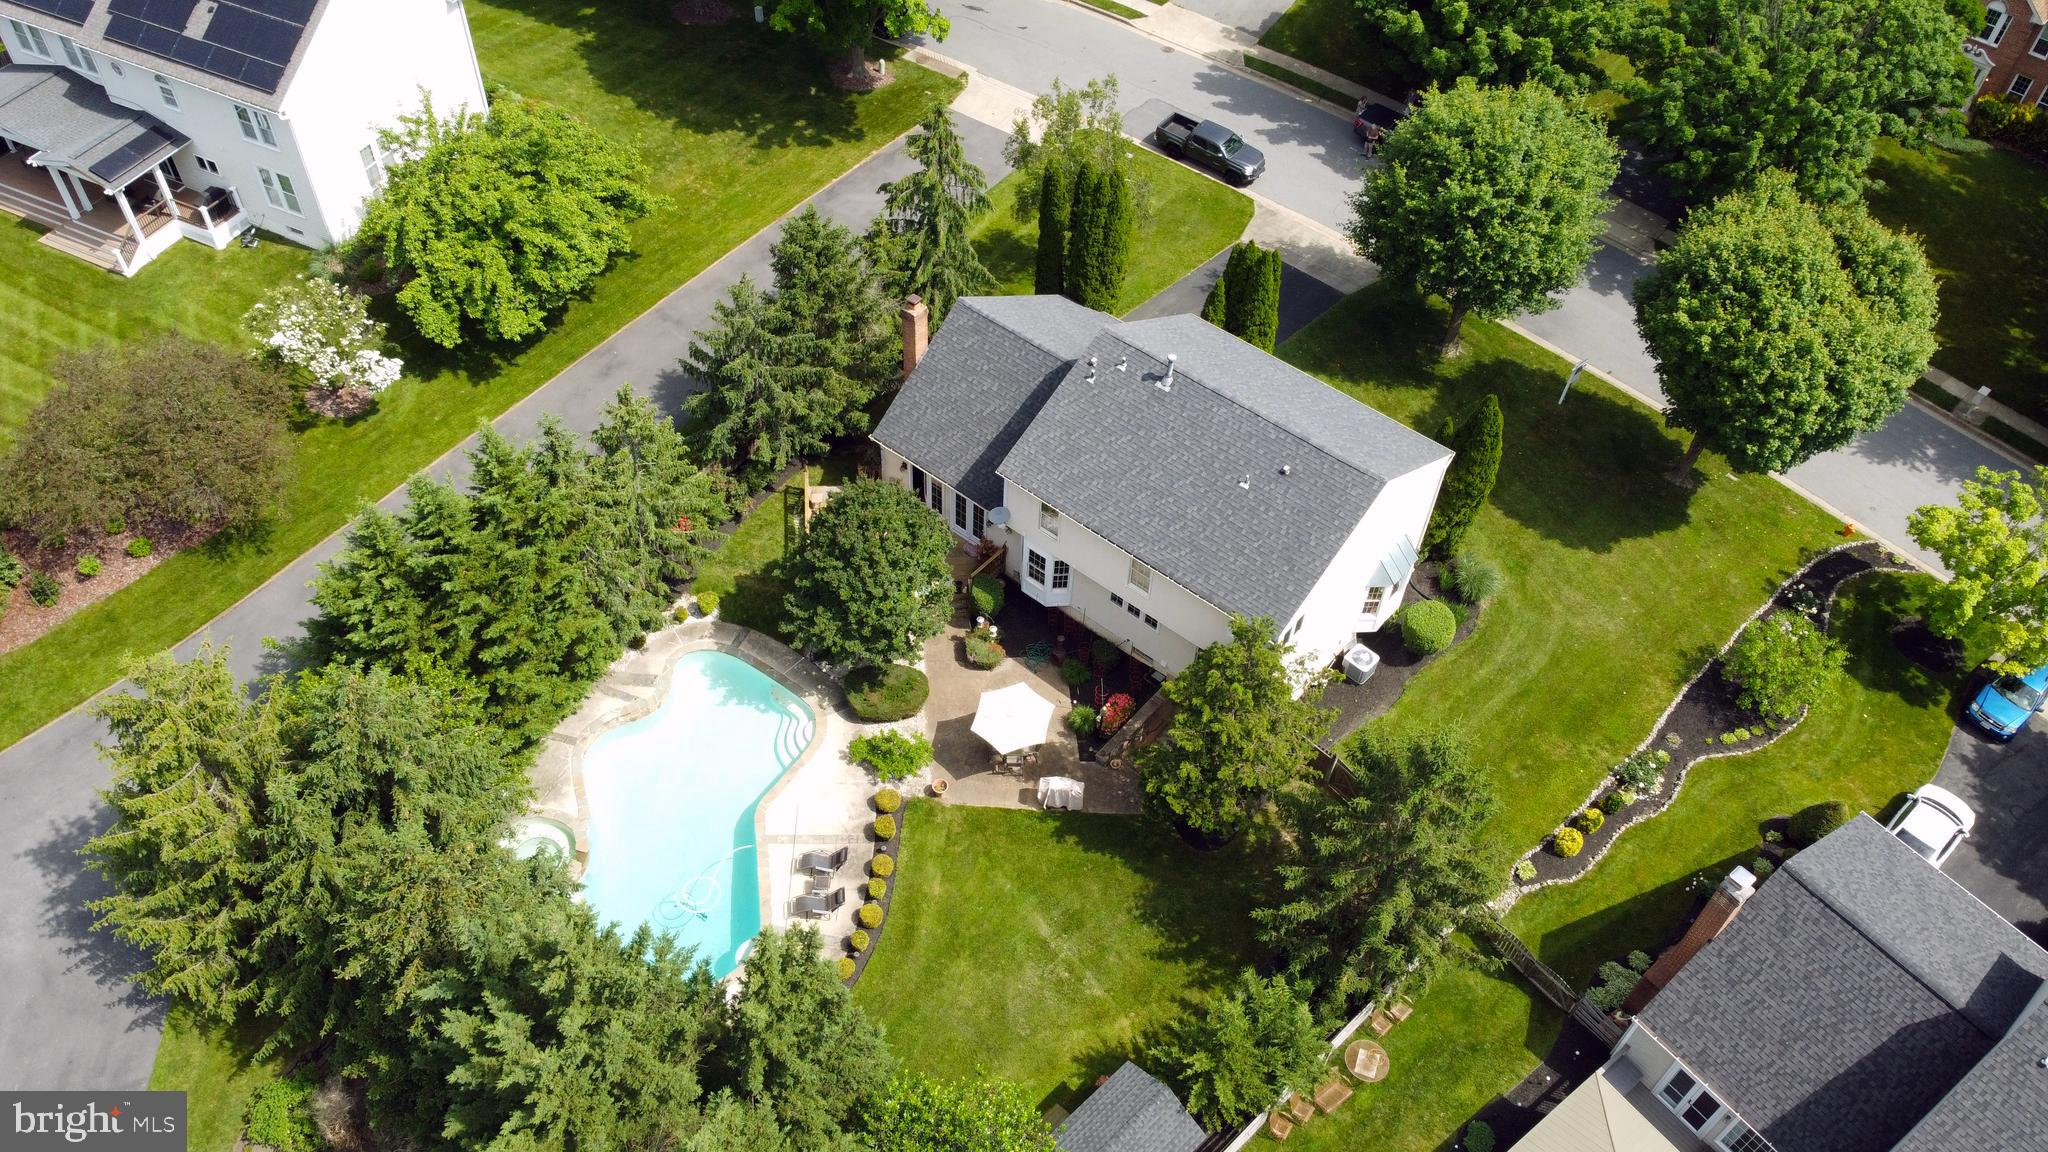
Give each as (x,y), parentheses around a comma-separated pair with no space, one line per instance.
(2003,706)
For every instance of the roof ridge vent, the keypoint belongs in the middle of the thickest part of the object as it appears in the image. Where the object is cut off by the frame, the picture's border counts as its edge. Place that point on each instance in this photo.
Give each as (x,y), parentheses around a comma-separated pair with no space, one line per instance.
(1166,382)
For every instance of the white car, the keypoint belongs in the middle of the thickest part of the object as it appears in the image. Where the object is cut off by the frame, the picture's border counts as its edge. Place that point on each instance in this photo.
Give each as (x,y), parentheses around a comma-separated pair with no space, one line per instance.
(1932,822)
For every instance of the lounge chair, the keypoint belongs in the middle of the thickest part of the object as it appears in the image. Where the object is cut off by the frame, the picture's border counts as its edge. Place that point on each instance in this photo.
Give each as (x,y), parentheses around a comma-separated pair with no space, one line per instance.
(820,904)
(823,863)
(1332,1095)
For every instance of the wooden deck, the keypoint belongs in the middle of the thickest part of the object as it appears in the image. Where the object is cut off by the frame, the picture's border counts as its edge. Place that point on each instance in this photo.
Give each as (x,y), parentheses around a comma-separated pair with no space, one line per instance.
(96,236)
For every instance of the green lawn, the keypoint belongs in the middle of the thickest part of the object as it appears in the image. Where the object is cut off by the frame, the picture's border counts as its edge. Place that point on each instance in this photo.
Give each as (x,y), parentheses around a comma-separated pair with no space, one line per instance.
(738,126)
(1586,645)
(742,572)
(1331,35)
(1046,947)
(1187,219)
(218,1071)
(52,303)
(1994,299)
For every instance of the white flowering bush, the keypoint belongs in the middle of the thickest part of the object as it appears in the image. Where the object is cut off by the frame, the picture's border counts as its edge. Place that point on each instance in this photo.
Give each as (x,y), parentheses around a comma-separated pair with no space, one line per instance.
(323,330)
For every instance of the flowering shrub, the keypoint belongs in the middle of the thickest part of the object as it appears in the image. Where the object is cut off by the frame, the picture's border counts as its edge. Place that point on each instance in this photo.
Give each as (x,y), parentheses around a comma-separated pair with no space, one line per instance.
(1115,711)
(325,332)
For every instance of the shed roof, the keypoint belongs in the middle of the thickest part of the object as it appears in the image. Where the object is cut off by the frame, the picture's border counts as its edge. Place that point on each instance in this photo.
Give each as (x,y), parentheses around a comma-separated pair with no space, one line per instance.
(1130,1112)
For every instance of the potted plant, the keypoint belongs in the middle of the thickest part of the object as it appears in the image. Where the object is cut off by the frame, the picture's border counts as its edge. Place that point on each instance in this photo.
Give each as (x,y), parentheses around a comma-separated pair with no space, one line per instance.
(938,786)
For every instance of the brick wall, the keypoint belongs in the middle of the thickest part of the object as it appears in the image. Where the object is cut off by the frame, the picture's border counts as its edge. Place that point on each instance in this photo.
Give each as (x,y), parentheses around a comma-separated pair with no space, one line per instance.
(2010,58)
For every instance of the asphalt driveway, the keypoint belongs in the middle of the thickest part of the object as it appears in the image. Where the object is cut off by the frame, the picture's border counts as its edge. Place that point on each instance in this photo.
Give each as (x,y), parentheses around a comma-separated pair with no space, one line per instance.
(2004,863)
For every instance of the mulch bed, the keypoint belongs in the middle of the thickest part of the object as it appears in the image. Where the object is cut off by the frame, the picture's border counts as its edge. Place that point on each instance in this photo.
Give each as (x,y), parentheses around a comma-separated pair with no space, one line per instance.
(847,76)
(893,848)
(1358,703)
(1707,711)
(23,621)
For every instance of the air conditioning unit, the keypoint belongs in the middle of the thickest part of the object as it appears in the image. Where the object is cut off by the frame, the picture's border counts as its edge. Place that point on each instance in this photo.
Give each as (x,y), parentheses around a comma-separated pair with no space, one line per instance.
(1360,663)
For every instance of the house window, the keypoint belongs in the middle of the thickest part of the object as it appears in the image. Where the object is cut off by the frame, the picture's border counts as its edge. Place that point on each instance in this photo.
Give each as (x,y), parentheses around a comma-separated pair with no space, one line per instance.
(1034,567)
(1061,575)
(373,167)
(1116,600)
(1689,1098)
(917,481)
(1995,20)
(255,126)
(79,57)
(168,93)
(116,66)
(1132,611)
(1141,576)
(277,188)
(206,165)
(959,511)
(1374,597)
(2019,86)
(980,522)
(31,39)
(1049,519)
(938,498)
(1741,1137)
(1151,621)
(2039,50)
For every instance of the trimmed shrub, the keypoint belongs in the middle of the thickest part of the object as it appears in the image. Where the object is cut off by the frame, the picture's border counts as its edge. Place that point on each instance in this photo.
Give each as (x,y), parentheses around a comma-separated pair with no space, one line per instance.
(1811,823)
(1590,820)
(1473,579)
(987,592)
(892,755)
(1568,842)
(1427,627)
(1479,1137)
(1616,800)
(44,589)
(881,693)
(885,827)
(1639,961)
(1616,982)
(11,571)
(2015,123)
(859,940)
(1762,867)
(870,915)
(281,1116)
(877,888)
(846,967)
(883,865)
(982,649)
(1081,721)
(140,547)
(888,800)
(1075,673)
(88,566)
(1115,711)
(1107,655)
(1639,772)
(707,603)
(115,525)
(1525,870)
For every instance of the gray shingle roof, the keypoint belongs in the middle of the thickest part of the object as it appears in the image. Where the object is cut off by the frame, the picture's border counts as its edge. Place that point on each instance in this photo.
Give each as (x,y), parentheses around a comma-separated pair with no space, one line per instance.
(981,382)
(1854,990)
(1988,1110)
(1130,1112)
(69,120)
(260,41)
(1190,479)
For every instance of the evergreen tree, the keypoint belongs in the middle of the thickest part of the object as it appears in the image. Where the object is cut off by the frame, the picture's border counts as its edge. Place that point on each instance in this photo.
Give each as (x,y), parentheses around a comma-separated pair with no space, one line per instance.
(1251,1045)
(762,403)
(828,296)
(190,755)
(1099,237)
(1216,306)
(868,583)
(1252,302)
(921,241)
(1055,209)
(654,510)
(794,1040)
(730,1123)
(1376,883)
(1476,465)
(1066,128)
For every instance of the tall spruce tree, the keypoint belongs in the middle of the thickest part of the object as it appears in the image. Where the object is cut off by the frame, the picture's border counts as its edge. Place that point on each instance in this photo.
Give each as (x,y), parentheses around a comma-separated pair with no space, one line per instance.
(761,404)
(827,294)
(1477,444)
(1099,237)
(1055,211)
(1216,305)
(1252,301)
(921,241)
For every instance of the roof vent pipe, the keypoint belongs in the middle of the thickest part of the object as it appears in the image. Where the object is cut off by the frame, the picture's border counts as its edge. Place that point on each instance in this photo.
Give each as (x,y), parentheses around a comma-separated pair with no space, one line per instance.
(1287,469)
(1123,363)
(1091,370)
(1166,381)
(1246,483)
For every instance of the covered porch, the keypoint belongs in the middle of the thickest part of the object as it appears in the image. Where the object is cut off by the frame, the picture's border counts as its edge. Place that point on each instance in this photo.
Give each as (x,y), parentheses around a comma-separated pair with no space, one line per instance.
(99,177)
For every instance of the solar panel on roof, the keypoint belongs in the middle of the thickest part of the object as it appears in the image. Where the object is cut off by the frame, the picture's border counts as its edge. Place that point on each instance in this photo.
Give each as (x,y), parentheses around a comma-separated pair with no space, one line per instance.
(247,41)
(73,10)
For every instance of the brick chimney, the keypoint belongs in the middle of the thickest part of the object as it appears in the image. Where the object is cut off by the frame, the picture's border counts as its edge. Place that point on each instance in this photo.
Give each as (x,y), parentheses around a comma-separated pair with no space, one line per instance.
(1714,919)
(917,332)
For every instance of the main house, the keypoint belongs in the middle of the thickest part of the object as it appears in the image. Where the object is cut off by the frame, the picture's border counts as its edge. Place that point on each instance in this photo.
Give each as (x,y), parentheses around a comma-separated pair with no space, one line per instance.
(128,124)
(1859,1001)
(2010,50)
(1153,478)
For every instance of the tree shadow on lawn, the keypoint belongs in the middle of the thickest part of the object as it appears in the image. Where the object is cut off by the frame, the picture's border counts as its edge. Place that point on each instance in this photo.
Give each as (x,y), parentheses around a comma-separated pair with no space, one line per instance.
(1649,920)
(738,77)
(1874,604)
(1144,1049)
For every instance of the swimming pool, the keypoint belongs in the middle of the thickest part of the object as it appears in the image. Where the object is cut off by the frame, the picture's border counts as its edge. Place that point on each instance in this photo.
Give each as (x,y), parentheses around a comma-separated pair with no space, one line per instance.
(671,798)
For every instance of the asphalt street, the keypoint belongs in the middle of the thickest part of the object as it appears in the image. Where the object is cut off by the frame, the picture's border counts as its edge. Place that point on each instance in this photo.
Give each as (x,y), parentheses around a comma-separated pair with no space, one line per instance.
(72,1019)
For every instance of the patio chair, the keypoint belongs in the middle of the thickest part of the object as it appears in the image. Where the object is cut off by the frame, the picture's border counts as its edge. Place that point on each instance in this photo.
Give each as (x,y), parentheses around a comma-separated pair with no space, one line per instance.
(1298,1107)
(819,904)
(823,863)
(1279,1126)
(1332,1095)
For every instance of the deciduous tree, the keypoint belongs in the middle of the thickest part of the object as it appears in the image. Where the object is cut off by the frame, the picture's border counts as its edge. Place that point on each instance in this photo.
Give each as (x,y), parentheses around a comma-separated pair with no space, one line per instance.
(844,26)
(1556,43)
(919,1114)
(1995,544)
(868,583)
(1065,128)
(1734,88)
(1250,1045)
(921,241)
(1488,197)
(1376,883)
(1239,733)
(493,222)
(1781,329)
(1477,444)
(1783,664)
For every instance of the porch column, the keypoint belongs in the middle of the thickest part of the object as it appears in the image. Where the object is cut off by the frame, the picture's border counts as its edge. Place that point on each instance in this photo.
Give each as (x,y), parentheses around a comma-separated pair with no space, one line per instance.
(205,217)
(164,186)
(63,191)
(127,213)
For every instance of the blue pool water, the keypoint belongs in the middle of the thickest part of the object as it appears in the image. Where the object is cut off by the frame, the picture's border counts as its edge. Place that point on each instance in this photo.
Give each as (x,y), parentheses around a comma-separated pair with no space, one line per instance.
(672,798)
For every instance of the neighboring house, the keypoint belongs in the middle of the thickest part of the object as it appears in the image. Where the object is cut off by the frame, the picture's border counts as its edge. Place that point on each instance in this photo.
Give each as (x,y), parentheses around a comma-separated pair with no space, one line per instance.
(1859,1001)
(126,124)
(1152,478)
(1129,1112)
(2010,51)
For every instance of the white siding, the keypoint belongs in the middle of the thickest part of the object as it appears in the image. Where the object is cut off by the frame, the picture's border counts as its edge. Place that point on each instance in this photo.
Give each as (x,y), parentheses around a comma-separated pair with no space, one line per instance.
(1331,617)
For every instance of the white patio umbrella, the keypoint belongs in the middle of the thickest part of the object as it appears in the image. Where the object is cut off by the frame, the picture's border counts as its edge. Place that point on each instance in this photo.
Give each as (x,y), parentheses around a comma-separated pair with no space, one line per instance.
(1012,718)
